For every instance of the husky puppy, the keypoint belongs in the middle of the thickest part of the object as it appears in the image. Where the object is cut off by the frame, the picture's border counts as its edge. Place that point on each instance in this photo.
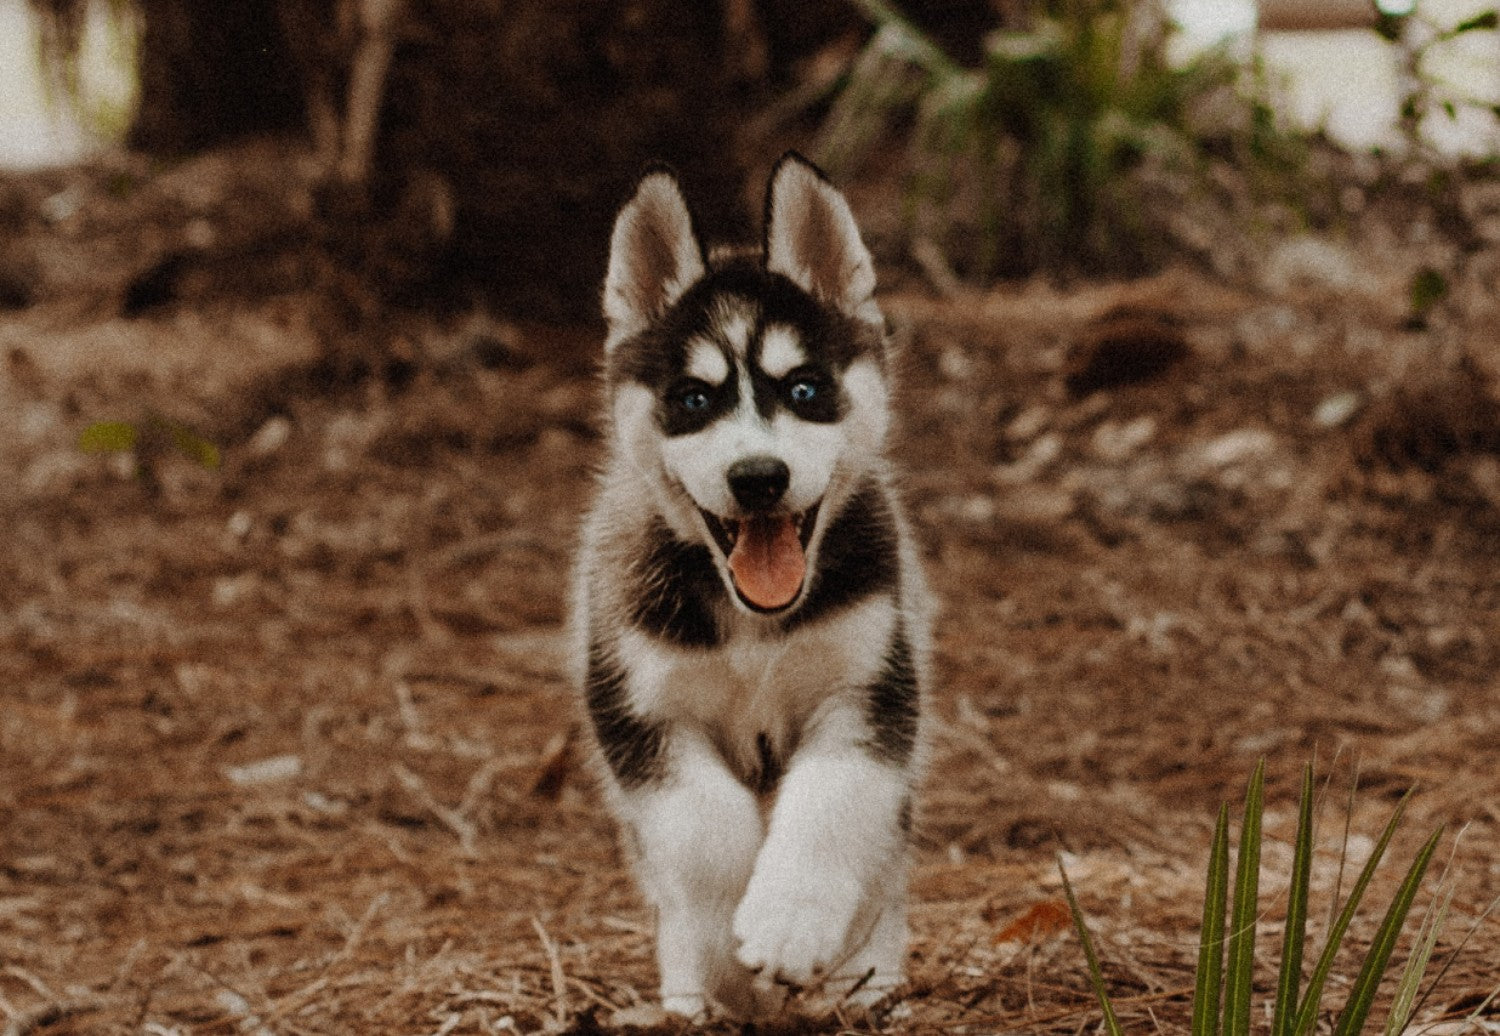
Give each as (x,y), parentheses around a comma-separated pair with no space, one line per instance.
(750,618)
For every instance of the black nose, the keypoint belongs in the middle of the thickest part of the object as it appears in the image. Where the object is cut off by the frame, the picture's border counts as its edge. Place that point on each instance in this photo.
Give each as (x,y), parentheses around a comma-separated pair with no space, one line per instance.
(758,482)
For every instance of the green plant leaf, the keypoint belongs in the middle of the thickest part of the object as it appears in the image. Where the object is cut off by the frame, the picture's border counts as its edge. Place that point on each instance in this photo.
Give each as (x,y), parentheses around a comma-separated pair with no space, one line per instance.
(1239,972)
(1211,940)
(1289,977)
(194,446)
(1454,954)
(1389,26)
(109,437)
(1404,1000)
(1307,1013)
(1362,996)
(1055,150)
(1096,974)
(1483,20)
(1428,287)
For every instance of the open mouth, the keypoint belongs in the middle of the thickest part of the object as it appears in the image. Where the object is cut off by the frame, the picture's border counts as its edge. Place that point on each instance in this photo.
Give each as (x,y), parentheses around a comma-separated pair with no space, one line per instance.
(766,554)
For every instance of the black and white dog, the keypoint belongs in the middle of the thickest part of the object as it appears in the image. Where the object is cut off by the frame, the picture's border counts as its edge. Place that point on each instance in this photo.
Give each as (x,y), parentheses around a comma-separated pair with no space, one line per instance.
(750,617)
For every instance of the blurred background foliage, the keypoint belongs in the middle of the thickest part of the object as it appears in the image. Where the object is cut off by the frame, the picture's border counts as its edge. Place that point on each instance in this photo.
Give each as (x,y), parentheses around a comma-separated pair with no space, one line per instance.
(1074,145)
(482,146)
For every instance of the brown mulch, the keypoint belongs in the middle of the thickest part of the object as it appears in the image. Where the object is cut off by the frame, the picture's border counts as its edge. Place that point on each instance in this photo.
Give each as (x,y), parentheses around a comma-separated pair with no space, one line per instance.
(284,745)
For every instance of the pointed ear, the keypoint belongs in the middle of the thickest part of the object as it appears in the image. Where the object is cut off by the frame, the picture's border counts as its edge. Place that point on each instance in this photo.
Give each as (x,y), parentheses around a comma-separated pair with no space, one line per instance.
(654,256)
(812,238)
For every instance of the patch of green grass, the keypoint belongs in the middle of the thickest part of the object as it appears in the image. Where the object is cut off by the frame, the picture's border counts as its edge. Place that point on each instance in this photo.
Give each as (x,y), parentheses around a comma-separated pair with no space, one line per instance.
(154,433)
(1223,995)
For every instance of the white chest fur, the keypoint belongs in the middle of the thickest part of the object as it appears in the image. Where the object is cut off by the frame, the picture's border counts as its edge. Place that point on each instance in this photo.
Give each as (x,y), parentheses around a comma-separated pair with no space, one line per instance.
(760,690)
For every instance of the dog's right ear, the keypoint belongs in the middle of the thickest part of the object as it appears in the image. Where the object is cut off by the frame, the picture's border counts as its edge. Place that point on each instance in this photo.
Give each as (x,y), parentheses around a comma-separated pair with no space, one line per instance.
(654,256)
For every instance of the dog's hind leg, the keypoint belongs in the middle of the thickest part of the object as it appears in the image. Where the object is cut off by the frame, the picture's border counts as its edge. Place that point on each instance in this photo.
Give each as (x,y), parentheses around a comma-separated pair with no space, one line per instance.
(698,831)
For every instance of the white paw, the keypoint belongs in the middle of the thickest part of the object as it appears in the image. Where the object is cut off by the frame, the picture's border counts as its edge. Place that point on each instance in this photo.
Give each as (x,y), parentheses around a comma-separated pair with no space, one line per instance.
(688,1006)
(794,931)
(860,994)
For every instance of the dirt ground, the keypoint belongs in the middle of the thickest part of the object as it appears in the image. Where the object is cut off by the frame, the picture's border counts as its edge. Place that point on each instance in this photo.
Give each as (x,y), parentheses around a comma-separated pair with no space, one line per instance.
(284,746)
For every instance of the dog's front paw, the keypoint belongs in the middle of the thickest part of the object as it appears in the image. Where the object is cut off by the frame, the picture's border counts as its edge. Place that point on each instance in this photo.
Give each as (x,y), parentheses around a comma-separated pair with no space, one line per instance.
(794,929)
(690,1006)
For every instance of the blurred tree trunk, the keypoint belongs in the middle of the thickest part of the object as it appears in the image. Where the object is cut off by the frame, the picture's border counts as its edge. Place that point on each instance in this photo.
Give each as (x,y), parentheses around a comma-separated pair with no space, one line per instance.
(213,72)
(1316,14)
(512,129)
(506,132)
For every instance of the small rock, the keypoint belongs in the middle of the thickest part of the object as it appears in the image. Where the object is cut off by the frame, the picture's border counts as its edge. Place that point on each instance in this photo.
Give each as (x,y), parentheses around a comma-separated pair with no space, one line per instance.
(317,801)
(231,590)
(1115,442)
(265,771)
(1030,423)
(975,508)
(1236,447)
(1337,409)
(1310,261)
(1042,453)
(62,205)
(641,1016)
(270,437)
(955,364)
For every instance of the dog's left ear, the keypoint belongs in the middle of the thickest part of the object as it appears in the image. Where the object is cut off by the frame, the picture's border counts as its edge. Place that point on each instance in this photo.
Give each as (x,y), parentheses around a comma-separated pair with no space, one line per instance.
(811,237)
(654,256)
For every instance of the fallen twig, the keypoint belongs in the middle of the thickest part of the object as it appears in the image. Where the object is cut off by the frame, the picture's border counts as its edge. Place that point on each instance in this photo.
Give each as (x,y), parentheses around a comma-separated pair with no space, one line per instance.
(559,980)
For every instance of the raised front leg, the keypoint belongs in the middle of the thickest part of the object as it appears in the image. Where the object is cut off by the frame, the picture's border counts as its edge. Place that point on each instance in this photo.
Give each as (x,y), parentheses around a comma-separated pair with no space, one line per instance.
(697,830)
(827,895)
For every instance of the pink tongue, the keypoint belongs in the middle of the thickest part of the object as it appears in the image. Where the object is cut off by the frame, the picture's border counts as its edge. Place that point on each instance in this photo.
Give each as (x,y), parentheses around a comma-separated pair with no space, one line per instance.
(767,561)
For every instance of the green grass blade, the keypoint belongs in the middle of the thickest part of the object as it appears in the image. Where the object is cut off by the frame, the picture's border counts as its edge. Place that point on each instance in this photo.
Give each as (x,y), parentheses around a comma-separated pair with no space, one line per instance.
(1290,977)
(1240,969)
(1096,974)
(1404,1001)
(108,437)
(1338,882)
(1211,944)
(1362,996)
(1456,952)
(194,446)
(1307,1014)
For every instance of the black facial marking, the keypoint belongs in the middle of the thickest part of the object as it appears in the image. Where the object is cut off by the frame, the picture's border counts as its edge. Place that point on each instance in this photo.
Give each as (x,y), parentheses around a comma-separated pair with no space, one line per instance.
(632,745)
(689,405)
(675,586)
(768,774)
(658,357)
(811,393)
(891,705)
(825,406)
(857,558)
(904,815)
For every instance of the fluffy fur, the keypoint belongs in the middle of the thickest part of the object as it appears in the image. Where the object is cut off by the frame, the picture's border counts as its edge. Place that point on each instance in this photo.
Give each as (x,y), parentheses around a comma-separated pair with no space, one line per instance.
(750,619)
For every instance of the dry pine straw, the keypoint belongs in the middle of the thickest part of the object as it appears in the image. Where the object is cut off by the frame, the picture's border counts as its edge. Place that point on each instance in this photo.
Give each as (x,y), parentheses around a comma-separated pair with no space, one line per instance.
(283,748)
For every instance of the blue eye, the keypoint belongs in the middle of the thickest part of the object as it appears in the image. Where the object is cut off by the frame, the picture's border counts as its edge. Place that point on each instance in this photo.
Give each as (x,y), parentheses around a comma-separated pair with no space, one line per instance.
(694,400)
(803,392)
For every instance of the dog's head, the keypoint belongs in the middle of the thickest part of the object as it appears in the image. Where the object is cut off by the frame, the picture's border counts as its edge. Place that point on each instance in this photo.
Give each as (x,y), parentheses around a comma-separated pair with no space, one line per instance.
(749,392)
